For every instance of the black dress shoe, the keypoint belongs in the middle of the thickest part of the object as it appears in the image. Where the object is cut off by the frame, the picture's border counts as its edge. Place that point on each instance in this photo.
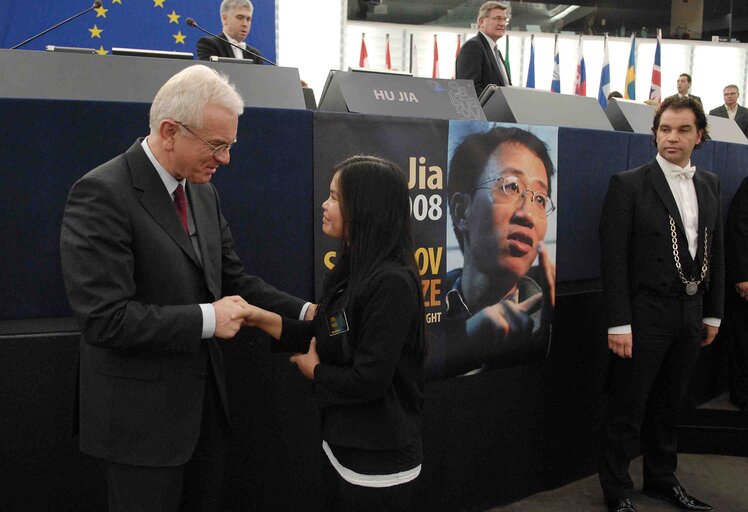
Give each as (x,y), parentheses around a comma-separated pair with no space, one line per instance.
(678,496)
(623,505)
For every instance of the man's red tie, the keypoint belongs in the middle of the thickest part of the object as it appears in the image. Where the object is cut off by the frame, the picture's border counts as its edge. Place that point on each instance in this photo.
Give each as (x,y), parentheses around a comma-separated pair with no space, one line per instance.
(180,203)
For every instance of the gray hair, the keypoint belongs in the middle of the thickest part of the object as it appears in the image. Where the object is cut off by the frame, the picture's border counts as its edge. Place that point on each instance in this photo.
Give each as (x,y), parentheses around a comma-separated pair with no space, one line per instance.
(731,86)
(229,5)
(486,8)
(184,96)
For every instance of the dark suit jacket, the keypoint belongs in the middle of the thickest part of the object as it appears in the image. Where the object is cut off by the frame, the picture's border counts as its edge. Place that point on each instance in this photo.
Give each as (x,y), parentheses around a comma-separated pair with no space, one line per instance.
(209,46)
(134,284)
(370,382)
(736,237)
(741,116)
(476,62)
(636,245)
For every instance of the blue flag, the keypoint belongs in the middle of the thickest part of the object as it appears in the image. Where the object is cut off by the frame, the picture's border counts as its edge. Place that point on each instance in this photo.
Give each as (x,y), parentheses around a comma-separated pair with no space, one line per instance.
(143,24)
(602,95)
(531,70)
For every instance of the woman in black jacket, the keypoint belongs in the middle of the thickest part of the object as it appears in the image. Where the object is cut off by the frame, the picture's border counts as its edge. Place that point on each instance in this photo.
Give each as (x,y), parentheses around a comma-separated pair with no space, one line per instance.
(367,360)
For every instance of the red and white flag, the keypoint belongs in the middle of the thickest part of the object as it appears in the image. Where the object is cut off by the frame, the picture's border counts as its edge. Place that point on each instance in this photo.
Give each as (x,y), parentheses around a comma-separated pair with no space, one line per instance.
(435,70)
(387,56)
(363,58)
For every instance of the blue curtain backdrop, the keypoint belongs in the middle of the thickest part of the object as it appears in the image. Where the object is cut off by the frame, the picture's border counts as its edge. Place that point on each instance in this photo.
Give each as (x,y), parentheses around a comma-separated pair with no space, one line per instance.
(146,24)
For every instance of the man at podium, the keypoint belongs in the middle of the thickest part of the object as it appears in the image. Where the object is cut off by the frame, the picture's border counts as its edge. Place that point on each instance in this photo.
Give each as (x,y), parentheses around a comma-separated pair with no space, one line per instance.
(236,18)
(479,59)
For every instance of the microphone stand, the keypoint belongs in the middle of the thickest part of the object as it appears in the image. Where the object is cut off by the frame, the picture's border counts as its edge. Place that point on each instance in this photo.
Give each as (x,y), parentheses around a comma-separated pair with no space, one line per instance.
(95,5)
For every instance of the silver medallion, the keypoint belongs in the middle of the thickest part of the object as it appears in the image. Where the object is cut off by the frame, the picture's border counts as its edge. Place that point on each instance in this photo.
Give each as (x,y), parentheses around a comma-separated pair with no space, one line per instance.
(691,288)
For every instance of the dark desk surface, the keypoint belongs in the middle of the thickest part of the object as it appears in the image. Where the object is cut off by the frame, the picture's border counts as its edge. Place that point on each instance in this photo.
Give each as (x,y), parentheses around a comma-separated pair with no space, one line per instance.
(72,76)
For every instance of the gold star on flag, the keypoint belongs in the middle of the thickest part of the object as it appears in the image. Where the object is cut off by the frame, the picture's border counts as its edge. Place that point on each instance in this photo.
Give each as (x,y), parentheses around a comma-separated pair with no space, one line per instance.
(95,32)
(116,2)
(158,3)
(179,37)
(101,50)
(101,12)
(174,17)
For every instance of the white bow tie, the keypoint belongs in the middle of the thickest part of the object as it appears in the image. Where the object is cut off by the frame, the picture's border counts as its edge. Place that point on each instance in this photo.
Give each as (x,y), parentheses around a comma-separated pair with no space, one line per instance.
(686,173)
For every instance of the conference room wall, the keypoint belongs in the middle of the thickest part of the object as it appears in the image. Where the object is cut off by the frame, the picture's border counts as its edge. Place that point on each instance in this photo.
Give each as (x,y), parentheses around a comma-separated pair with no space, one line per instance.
(712,65)
(335,42)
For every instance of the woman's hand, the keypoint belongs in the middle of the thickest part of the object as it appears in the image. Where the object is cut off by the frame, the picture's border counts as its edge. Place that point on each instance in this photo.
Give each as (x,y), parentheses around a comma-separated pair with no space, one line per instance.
(307,362)
(253,316)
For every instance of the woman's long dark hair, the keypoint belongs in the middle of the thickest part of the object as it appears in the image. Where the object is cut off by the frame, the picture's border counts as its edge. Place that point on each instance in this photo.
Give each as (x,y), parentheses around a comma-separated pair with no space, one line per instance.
(376,224)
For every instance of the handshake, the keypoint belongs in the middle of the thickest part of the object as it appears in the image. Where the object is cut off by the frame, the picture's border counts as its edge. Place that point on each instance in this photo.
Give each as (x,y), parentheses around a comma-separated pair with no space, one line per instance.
(233,313)
(229,317)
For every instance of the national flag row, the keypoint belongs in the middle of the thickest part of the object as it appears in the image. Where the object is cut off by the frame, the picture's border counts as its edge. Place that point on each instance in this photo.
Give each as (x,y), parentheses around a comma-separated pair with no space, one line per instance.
(580,85)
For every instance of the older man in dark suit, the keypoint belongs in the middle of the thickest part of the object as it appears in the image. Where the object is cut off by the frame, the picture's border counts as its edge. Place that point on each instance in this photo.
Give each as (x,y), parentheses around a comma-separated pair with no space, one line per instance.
(236,20)
(663,283)
(731,109)
(480,59)
(153,279)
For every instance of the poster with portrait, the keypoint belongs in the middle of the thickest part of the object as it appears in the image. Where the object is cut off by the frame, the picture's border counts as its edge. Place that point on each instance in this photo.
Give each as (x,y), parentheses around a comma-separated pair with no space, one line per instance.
(484,231)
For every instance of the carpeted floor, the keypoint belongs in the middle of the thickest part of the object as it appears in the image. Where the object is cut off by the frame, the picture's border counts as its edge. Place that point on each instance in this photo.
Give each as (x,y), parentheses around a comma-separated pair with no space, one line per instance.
(718,480)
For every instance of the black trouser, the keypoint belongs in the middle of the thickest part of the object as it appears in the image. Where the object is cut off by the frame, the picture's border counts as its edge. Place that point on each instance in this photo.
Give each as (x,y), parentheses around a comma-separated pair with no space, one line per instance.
(346,497)
(647,392)
(195,486)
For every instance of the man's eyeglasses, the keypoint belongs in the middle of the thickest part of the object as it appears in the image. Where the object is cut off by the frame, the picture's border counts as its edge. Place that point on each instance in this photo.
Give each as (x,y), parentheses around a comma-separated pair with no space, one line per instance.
(511,189)
(500,19)
(217,150)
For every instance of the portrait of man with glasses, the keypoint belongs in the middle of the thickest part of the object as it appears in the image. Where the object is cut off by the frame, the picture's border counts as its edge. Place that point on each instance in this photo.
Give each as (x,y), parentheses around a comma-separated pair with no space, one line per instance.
(499,303)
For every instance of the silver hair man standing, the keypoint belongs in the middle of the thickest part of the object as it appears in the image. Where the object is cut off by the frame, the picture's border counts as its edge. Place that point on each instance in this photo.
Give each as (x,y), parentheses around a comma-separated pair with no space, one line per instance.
(153,279)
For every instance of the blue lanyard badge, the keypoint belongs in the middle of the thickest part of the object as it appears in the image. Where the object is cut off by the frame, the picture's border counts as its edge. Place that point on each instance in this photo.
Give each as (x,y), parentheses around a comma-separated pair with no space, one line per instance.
(337,323)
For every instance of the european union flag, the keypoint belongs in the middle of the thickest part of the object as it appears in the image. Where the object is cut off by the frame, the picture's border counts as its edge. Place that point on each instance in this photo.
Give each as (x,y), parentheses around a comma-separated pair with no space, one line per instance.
(144,24)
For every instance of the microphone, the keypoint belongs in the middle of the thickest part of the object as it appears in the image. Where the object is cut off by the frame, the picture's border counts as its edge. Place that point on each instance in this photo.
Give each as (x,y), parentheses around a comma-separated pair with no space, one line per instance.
(96,5)
(192,23)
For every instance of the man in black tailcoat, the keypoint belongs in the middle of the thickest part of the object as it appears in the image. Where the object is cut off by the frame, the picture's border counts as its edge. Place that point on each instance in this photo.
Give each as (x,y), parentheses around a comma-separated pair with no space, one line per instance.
(663,292)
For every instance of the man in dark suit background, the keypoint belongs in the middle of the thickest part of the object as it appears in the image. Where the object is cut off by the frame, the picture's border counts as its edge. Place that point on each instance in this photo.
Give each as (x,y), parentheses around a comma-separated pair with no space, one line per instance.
(480,59)
(731,109)
(663,284)
(153,279)
(736,264)
(236,19)
(684,87)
